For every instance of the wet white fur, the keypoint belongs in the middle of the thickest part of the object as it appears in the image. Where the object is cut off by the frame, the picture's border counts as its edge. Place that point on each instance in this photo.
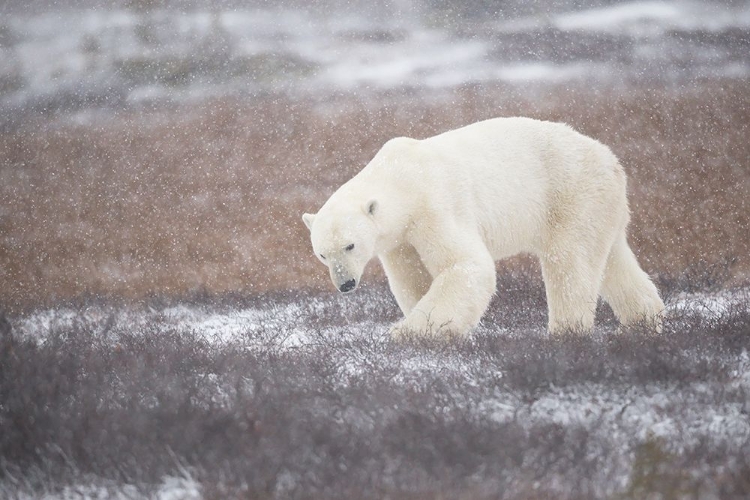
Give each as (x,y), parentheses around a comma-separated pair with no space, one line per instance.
(439,212)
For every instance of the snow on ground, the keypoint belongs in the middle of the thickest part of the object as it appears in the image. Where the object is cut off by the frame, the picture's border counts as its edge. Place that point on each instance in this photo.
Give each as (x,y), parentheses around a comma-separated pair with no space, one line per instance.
(171,488)
(711,306)
(287,320)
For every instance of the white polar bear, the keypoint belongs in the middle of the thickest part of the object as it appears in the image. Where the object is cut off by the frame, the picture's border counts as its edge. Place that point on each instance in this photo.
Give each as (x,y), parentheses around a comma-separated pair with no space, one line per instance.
(439,212)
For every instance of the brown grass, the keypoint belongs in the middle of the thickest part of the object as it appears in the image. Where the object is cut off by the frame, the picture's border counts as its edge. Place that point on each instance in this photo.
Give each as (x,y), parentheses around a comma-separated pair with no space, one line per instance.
(211,198)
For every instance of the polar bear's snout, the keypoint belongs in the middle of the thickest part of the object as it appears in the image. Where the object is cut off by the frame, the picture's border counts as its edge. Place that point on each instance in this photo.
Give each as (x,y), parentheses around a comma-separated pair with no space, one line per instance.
(348,286)
(343,279)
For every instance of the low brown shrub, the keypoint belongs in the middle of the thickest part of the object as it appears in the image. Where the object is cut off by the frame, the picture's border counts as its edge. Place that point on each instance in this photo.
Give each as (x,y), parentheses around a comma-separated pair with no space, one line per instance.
(210,197)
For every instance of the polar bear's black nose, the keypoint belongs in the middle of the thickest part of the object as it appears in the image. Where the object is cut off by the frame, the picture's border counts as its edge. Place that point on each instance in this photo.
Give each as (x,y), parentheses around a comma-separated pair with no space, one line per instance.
(348,286)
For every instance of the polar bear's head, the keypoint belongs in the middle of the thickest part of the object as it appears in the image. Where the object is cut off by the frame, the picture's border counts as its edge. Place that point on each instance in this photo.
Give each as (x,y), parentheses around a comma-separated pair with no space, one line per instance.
(344,238)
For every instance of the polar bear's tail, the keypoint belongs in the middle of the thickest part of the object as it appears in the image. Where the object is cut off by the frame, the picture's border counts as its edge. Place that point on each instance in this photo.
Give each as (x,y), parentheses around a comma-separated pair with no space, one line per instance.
(628,289)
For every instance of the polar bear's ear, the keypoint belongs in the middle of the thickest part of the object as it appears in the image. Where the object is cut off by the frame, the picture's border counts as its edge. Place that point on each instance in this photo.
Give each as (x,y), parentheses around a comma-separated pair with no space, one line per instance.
(371,207)
(308,220)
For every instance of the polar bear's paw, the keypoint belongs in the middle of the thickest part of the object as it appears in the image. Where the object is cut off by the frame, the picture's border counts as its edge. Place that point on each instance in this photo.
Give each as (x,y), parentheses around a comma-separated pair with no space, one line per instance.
(420,326)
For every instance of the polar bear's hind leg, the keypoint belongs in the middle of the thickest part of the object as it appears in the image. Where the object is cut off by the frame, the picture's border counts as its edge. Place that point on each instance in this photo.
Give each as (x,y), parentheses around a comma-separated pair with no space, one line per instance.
(629,290)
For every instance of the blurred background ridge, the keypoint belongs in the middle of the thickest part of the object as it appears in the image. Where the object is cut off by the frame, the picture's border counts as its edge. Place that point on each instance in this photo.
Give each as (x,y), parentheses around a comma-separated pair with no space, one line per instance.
(75,55)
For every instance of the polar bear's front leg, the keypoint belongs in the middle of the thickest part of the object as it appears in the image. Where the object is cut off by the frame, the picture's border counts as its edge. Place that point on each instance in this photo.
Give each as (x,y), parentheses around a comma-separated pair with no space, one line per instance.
(407,276)
(457,299)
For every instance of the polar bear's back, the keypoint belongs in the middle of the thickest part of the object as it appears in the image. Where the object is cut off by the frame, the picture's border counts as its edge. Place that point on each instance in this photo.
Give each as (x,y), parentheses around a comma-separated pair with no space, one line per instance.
(517,143)
(512,173)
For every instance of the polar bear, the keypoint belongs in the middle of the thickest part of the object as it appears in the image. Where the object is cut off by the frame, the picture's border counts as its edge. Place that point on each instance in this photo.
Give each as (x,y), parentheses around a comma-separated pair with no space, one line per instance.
(439,212)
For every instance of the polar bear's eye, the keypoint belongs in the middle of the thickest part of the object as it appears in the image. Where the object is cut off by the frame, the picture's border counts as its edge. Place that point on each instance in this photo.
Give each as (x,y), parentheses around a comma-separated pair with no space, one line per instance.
(322,256)
(349,247)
